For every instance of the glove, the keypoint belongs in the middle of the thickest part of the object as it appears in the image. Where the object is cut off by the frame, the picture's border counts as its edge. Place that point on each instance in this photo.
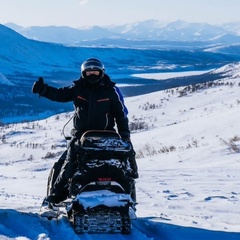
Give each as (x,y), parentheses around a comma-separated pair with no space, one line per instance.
(127,140)
(38,86)
(75,133)
(129,143)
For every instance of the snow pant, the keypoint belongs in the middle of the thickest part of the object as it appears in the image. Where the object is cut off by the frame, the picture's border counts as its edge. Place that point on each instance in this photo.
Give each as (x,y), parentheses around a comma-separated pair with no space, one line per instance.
(57,166)
(63,170)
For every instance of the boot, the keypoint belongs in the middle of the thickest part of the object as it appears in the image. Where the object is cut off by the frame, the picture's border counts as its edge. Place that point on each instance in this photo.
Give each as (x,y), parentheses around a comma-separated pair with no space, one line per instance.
(57,197)
(54,199)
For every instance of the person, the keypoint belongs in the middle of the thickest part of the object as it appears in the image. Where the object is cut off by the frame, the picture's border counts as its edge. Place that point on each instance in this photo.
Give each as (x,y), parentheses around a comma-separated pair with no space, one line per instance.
(99,105)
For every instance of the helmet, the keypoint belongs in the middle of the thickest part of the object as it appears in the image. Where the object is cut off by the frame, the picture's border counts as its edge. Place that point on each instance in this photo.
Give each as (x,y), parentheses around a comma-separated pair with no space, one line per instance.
(92,64)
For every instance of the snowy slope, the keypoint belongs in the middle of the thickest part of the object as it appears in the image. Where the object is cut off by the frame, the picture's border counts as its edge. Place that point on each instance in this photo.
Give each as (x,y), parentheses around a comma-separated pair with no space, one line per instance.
(189,172)
(4,80)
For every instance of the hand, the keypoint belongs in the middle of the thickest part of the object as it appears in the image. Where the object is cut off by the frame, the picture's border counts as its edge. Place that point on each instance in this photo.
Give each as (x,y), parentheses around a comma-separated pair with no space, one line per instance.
(128,142)
(38,86)
(75,133)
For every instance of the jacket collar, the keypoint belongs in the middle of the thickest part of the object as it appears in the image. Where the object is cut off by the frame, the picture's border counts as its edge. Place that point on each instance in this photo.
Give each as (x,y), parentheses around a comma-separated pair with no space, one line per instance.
(105,81)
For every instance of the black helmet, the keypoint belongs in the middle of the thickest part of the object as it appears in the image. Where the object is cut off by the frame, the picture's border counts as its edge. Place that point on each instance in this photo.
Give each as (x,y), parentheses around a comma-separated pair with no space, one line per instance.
(92,64)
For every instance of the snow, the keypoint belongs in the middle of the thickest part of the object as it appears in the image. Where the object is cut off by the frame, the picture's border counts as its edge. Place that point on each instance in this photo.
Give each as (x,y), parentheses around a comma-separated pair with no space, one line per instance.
(103,197)
(4,80)
(188,162)
(163,76)
(232,69)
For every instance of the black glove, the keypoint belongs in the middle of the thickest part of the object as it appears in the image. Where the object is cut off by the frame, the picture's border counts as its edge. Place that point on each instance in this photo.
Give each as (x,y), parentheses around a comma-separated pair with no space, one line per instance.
(38,86)
(129,143)
(75,133)
(127,140)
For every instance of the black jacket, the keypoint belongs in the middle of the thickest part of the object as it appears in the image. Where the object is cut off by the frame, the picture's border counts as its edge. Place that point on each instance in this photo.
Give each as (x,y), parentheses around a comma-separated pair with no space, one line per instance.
(97,108)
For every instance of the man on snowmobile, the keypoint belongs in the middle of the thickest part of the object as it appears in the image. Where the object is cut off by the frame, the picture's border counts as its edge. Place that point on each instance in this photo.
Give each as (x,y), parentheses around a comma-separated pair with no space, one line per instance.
(98,105)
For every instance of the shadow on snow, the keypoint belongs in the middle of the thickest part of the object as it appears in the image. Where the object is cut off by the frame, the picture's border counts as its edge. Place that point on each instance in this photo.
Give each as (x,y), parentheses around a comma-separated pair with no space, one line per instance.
(15,224)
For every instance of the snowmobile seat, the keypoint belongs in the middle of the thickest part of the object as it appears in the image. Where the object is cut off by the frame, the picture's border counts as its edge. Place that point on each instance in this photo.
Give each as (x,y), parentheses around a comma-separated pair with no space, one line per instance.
(97,134)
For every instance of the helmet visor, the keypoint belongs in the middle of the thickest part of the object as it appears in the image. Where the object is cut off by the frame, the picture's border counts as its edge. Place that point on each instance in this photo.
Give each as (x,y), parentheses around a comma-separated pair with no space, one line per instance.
(92,65)
(92,72)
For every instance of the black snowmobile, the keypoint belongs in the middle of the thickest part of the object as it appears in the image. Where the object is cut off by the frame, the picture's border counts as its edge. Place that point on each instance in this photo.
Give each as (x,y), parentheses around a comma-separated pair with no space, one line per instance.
(102,195)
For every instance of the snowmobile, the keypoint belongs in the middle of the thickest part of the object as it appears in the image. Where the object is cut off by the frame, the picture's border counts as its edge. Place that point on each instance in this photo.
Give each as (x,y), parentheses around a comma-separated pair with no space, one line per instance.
(102,196)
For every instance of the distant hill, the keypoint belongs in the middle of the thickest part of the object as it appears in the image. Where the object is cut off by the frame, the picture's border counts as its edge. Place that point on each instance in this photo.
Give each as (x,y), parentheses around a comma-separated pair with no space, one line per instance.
(153,30)
(23,60)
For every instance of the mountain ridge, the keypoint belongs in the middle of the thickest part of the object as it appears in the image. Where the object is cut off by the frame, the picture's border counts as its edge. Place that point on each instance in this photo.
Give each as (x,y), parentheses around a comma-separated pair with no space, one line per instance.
(23,60)
(144,30)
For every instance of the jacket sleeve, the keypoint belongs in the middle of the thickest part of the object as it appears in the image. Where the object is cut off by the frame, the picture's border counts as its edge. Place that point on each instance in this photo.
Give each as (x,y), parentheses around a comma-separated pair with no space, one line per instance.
(64,94)
(120,114)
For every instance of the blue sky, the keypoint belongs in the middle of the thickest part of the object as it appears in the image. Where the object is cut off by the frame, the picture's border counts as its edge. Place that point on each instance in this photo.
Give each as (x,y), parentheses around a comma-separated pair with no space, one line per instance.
(78,13)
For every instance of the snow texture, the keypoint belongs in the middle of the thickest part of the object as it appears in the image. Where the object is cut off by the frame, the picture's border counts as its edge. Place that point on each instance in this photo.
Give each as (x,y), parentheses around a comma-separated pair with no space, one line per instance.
(103,197)
(188,158)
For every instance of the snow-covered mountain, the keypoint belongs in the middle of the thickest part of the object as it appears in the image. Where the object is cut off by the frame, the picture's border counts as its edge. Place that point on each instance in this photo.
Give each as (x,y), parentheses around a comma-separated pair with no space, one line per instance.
(23,60)
(187,151)
(22,57)
(233,27)
(229,70)
(146,30)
